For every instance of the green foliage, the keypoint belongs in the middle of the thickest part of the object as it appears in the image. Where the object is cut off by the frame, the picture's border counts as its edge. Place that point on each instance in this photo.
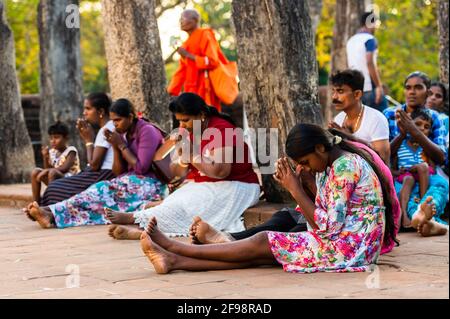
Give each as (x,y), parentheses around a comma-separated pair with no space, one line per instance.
(95,76)
(324,40)
(22,18)
(407,40)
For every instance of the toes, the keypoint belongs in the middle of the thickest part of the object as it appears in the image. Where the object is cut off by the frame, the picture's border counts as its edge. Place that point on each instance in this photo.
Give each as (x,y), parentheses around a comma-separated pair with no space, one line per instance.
(196,220)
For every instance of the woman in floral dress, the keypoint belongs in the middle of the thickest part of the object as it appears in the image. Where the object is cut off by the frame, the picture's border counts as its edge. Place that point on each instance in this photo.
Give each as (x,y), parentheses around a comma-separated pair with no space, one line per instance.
(351,214)
(134,142)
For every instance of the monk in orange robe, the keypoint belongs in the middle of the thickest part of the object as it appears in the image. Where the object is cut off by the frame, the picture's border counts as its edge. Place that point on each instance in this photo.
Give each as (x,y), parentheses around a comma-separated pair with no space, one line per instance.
(199,53)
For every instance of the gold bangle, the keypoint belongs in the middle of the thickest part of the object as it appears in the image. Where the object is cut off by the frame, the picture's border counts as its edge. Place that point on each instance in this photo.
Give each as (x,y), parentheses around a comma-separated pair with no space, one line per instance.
(182,164)
(88,144)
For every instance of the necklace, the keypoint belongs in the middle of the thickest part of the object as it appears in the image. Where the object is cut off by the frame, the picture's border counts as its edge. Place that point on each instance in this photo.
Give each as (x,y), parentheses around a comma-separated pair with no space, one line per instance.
(357,120)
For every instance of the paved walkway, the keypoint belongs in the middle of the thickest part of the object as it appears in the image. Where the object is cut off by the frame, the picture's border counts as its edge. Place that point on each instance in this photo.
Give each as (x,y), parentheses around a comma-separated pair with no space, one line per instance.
(37,263)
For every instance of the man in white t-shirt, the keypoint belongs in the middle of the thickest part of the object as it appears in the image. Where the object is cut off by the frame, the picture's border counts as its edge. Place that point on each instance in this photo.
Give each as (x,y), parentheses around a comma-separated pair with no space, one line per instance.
(362,52)
(363,122)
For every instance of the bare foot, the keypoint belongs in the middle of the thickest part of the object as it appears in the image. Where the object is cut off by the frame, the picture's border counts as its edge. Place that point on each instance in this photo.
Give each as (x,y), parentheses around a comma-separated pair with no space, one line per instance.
(203,233)
(158,236)
(27,209)
(121,232)
(41,216)
(159,257)
(425,212)
(431,228)
(119,217)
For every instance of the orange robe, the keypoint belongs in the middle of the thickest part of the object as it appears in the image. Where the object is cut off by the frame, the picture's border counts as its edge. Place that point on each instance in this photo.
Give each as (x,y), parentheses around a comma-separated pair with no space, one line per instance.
(192,76)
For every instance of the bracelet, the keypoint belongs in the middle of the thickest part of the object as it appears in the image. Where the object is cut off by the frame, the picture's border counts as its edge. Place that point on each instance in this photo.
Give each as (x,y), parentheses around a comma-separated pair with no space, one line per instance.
(181,163)
(88,144)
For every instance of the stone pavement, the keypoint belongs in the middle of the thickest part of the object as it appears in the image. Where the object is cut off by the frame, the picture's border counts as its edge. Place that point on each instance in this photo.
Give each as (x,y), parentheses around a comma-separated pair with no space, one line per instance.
(37,263)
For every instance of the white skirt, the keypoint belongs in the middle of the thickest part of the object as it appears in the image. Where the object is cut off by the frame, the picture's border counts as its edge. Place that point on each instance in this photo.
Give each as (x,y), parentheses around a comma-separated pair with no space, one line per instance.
(221,204)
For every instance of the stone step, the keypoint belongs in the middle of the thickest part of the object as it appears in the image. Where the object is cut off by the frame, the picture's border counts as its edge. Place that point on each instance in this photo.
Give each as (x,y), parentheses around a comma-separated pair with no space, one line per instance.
(19,195)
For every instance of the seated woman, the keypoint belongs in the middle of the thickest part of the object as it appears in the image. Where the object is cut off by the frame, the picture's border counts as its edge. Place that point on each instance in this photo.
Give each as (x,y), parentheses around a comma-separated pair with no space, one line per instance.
(290,220)
(134,142)
(99,152)
(347,223)
(221,189)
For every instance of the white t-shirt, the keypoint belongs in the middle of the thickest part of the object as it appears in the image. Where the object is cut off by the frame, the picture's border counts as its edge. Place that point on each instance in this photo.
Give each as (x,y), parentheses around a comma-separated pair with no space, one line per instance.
(101,141)
(374,125)
(356,56)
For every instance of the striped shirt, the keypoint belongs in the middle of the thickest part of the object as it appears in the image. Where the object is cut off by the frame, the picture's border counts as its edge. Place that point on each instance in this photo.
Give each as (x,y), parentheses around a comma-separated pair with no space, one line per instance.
(407,157)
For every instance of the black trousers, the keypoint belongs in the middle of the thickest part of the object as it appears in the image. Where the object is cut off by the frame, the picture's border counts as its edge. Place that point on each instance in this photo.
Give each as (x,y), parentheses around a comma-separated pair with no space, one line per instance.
(286,220)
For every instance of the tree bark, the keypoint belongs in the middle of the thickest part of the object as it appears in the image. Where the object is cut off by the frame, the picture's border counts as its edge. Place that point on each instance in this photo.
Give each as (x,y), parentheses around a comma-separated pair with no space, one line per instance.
(135,63)
(277,69)
(61,87)
(443,40)
(347,22)
(16,152)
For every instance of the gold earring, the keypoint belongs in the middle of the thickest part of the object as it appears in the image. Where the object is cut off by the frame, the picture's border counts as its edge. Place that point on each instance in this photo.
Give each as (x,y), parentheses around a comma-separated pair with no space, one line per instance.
(101,116)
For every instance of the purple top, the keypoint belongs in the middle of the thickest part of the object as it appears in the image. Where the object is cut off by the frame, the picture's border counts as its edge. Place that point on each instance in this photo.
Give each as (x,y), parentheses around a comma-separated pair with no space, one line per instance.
(144,142)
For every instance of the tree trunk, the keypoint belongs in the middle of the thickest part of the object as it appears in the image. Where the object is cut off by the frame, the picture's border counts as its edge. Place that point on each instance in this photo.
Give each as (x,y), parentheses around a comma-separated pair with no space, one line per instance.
(61,78)
(135,63)
(315,10)
(347,22)
(443,40)
(278,72)
(16,153)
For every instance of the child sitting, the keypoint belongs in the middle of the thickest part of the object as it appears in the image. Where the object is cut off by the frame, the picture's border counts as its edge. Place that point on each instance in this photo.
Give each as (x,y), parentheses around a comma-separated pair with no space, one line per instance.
(59,161)
(412,165)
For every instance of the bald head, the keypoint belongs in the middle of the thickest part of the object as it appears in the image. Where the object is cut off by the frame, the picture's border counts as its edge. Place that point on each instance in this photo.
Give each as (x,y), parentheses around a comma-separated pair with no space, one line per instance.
(190,20)
(191,14)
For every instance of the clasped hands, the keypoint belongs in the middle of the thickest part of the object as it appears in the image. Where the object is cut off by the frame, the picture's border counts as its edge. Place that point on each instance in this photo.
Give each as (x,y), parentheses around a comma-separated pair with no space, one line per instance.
(113,138)
(286,176)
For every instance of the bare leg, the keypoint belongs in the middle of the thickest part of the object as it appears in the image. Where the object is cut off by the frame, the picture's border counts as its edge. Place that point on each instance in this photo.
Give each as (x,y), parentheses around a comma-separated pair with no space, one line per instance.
(43,176)
(119,217)
(424,178)
(36,184)
(42,215)
(165,261)
(54,175)
(203,233)
(121,232)
(246,250)
(405,193)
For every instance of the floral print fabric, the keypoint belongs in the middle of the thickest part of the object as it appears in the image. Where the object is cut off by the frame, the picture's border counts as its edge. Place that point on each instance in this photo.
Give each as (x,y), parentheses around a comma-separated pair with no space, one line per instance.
(126,193)
(350,218)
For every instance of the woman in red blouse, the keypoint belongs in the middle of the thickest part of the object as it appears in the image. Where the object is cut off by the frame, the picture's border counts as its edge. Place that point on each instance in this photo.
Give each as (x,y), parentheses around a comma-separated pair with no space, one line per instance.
(222,181)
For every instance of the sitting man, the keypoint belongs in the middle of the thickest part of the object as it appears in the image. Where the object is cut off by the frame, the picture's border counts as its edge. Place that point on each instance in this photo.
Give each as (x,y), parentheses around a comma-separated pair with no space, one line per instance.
(364,123)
